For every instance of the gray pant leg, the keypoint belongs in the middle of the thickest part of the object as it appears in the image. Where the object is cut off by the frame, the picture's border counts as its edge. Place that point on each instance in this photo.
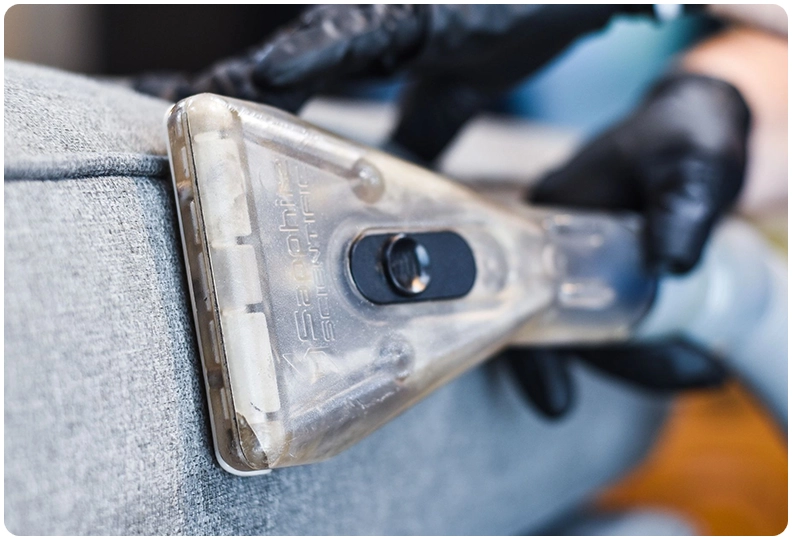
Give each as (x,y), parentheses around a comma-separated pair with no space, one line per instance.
(105,422)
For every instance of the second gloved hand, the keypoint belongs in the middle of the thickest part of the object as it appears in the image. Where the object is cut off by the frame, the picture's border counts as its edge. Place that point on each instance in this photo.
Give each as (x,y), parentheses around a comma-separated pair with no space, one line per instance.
(458,58)
(679,161)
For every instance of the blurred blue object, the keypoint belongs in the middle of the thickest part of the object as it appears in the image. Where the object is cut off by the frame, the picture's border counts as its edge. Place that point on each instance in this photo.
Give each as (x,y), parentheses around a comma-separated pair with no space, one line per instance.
(601,77)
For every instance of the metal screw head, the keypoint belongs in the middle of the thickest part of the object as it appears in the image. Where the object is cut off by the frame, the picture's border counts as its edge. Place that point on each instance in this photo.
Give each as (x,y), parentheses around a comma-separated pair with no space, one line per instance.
(407,265)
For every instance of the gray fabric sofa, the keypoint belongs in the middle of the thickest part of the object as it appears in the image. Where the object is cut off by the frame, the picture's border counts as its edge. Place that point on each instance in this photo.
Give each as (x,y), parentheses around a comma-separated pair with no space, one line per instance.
(106,428)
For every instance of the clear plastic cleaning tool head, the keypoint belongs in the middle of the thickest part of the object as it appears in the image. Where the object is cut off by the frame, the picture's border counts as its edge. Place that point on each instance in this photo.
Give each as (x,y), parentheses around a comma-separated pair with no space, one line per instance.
(334,285)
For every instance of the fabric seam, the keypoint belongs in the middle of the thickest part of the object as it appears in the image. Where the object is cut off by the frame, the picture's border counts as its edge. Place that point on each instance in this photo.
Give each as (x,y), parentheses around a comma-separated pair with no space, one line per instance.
(88,166)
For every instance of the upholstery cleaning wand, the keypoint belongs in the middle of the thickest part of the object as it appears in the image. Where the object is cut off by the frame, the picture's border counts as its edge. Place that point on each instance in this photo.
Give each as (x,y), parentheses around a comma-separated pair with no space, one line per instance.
(334,285)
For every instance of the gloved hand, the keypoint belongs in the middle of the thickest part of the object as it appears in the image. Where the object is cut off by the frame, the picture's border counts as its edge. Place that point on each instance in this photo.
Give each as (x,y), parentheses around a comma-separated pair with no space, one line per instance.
(460,57)
(678,160)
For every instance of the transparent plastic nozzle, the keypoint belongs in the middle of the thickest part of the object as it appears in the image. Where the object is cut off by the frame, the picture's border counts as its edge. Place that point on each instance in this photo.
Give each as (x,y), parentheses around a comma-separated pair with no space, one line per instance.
(334,285)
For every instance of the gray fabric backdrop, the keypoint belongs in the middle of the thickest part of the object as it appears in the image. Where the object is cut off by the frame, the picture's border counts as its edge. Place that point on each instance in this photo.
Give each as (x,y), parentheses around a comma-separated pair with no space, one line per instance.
(105,420)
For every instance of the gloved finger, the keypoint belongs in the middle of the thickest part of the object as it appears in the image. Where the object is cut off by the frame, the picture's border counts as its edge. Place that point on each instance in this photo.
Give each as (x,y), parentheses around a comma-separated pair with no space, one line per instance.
(332,41)
(688,143)
(597,177)
(667,366)
(544,379)
(431,114)
(233,78)
(686,197)
(230,77)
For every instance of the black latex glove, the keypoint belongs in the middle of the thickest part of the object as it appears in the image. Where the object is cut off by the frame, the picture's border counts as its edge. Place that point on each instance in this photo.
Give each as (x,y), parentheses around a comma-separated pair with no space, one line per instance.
(459,56)
(678,160)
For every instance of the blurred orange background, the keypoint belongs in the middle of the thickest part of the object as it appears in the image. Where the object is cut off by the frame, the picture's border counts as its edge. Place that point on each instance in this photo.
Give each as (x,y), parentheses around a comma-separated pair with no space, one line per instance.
(720,462)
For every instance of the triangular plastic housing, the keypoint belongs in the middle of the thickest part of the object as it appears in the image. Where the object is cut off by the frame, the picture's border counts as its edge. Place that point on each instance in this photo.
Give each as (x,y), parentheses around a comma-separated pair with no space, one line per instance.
(299,364)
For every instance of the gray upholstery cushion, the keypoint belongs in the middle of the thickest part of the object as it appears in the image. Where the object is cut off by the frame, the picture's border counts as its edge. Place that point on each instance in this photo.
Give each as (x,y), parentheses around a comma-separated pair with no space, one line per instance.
(105,422)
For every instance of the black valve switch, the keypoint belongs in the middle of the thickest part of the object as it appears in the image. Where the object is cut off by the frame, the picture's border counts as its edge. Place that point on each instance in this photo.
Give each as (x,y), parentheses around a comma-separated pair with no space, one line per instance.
(412,267)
